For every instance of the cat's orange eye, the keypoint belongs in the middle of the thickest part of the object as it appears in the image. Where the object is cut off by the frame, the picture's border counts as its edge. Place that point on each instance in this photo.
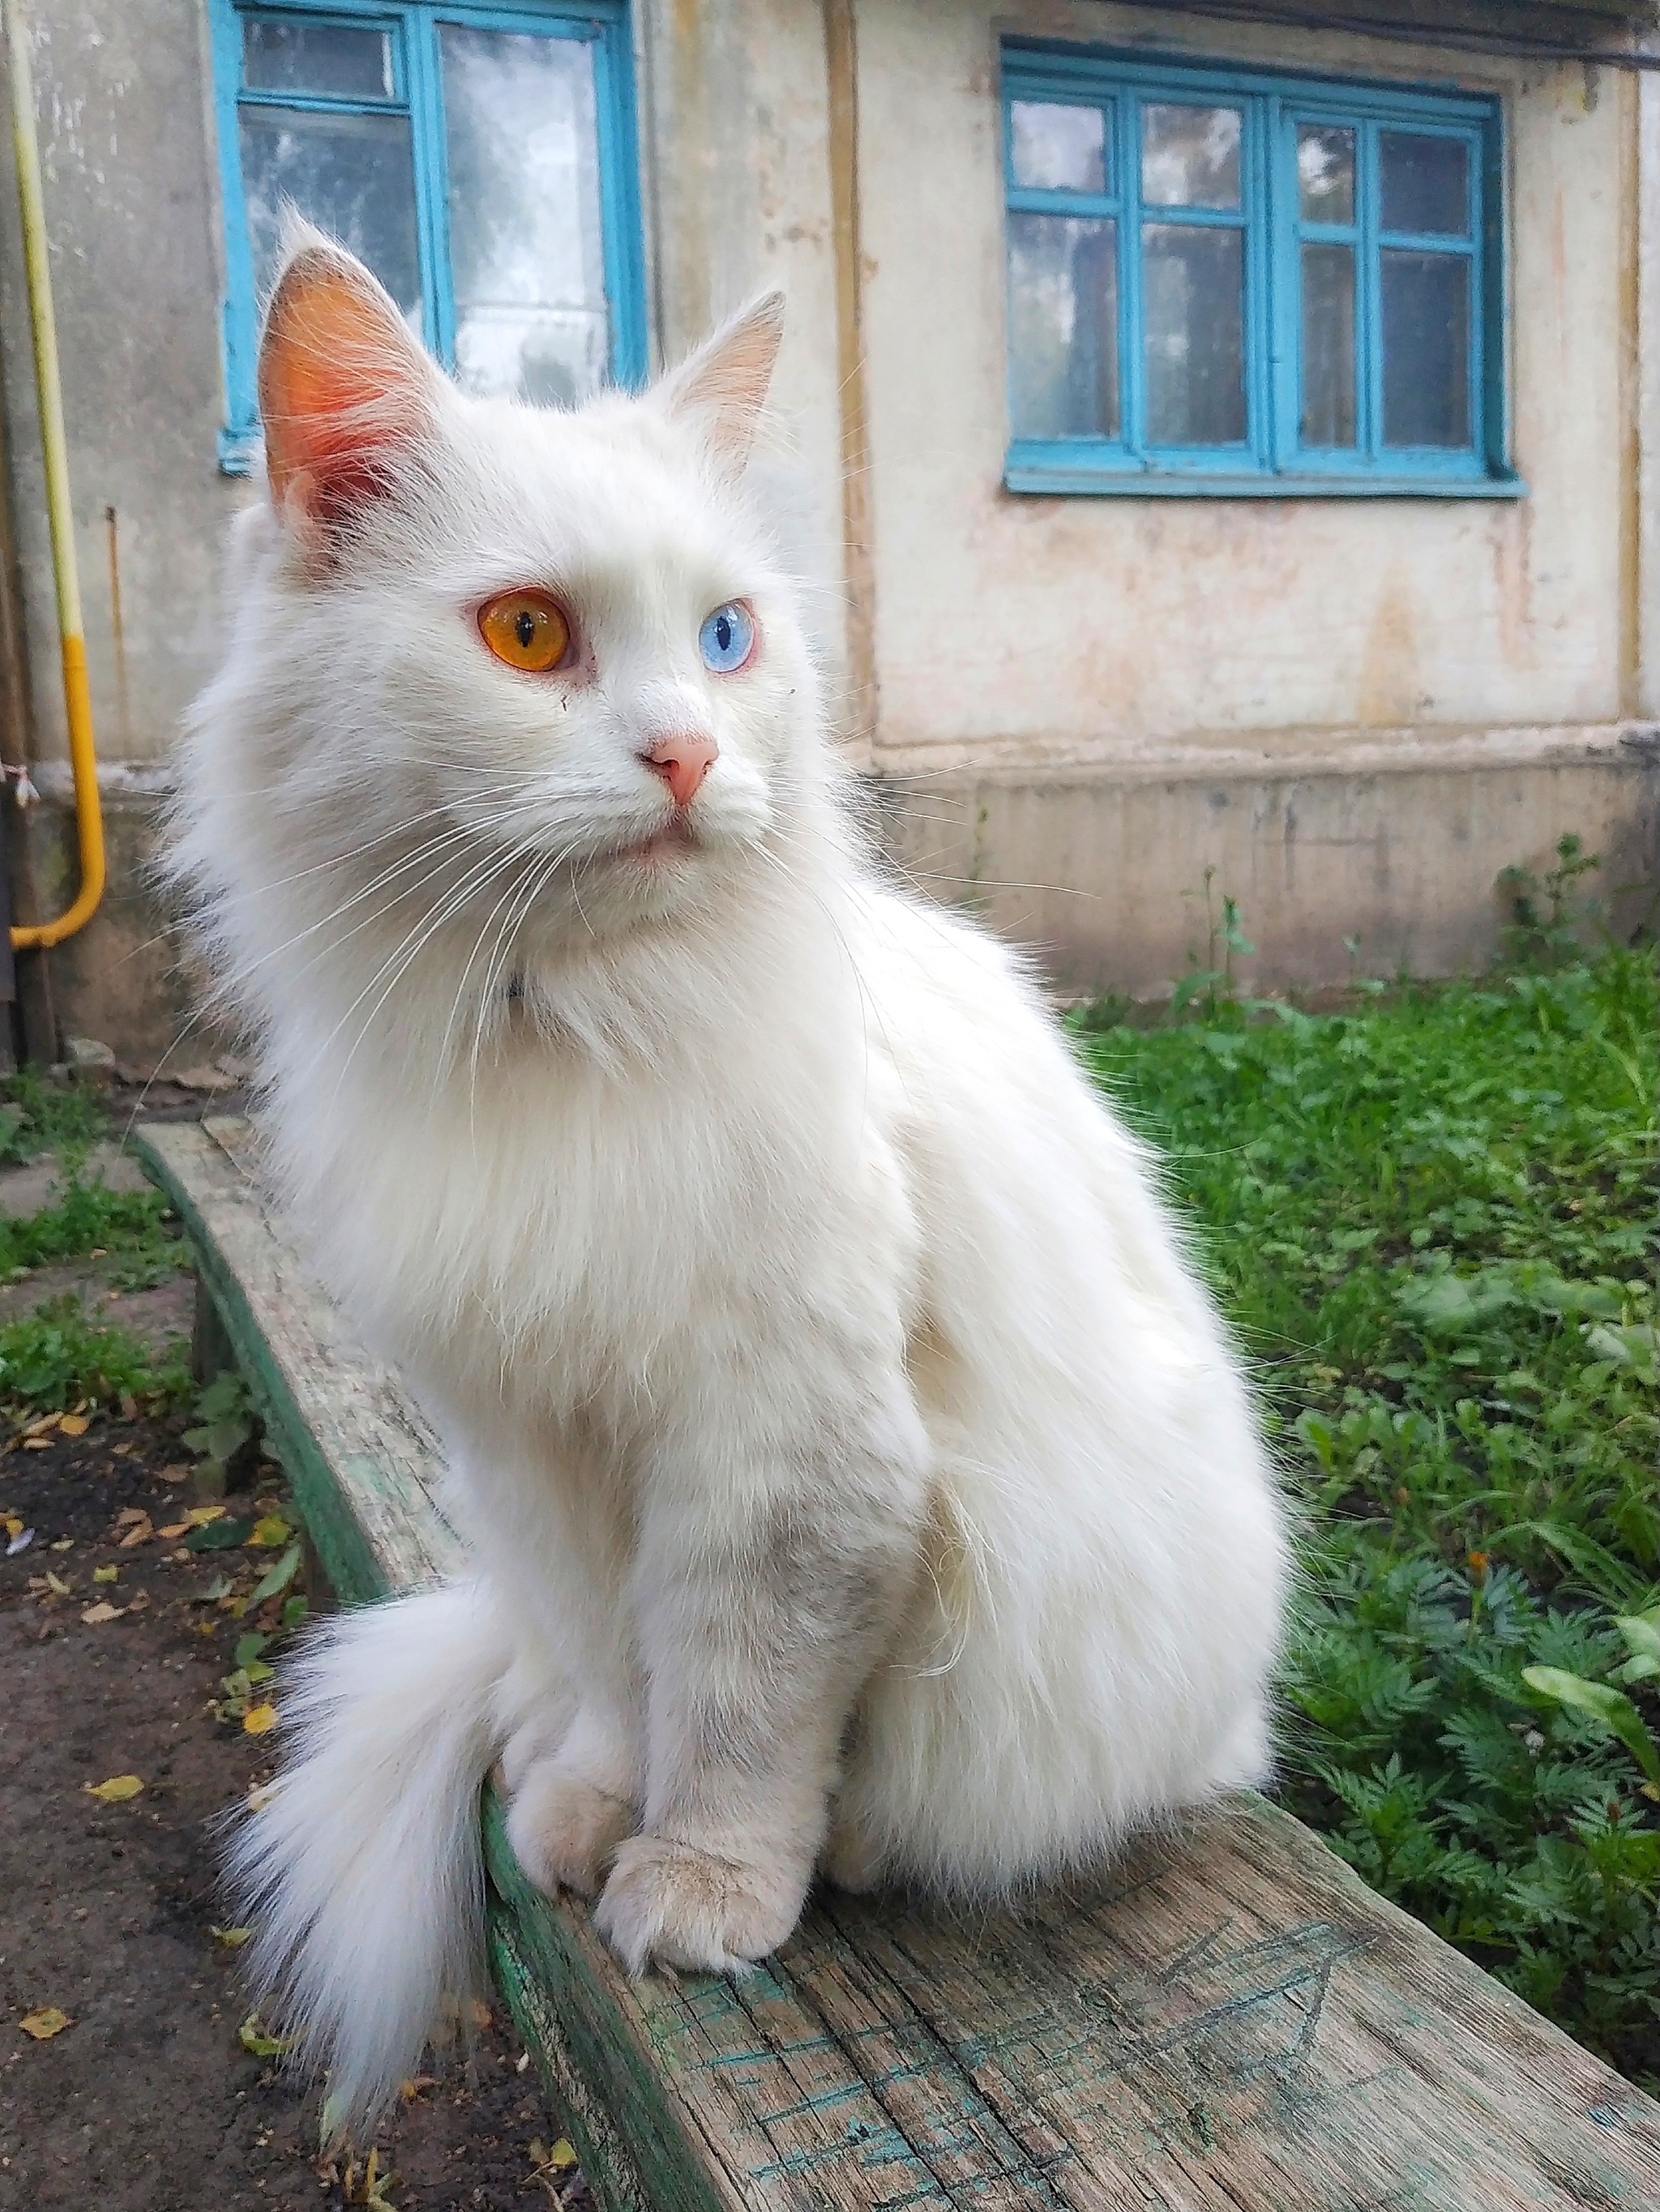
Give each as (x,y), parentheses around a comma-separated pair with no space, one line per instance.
(526,629)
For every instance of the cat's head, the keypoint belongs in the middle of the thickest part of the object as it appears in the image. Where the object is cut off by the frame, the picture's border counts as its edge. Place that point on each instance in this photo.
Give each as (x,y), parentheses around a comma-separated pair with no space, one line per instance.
(563,640)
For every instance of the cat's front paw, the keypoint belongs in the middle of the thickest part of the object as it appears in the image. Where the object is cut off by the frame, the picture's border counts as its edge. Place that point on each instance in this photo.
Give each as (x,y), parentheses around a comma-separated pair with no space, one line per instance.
(563,1832)
(685,1907)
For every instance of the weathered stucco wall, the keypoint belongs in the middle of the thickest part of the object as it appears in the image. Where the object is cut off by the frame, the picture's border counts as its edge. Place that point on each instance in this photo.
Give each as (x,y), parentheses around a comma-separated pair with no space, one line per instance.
(1085,703)
(132,212)
(733,125)
(1081,629)
(733,118)
(1042,665)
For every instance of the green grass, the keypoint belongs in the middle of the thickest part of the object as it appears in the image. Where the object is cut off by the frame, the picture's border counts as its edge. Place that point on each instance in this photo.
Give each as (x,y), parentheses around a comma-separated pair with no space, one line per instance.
(37,1115)
(1430,1218)
(133,1232)
(57,1354)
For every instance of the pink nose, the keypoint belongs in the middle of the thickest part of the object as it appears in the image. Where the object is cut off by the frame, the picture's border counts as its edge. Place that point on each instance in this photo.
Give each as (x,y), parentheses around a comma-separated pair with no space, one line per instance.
(683,763)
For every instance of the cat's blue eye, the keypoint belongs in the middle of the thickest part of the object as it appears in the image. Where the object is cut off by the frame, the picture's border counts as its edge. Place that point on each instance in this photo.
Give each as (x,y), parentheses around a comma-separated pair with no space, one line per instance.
(727,638)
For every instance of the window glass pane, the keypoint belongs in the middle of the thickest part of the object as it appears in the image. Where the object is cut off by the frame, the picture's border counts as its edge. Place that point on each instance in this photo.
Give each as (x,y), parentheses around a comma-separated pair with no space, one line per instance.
(1426,184)
(1328,346)
(527,258)
(1325,172)
(285,56)
(1193,295)
(351,174)
(1426,327)
(1190,156)
(1057,149)
(1063,327)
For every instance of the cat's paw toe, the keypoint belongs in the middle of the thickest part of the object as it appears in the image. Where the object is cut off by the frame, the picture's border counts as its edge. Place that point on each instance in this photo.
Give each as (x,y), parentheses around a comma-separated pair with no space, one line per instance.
(671,1902)
(563,1831)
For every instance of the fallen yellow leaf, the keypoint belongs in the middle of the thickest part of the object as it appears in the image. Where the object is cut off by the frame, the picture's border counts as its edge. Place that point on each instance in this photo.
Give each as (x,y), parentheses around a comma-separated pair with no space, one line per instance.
(96,1615)
(199,1516)
(104,1574)
(74,1425)
(258,1718)
(232,1938)
(139,1532)
(47,2021)
(118,1786)
(57,1585)
(562,2154)
(174,1531)
(11,1524)
(270,1530)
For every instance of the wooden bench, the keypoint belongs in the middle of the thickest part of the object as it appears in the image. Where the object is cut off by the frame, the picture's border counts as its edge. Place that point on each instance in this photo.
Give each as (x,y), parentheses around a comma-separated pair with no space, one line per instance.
(1228,2019)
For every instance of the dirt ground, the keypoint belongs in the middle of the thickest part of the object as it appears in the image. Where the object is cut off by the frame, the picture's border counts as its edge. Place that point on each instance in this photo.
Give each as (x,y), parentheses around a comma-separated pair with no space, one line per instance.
(147,2100)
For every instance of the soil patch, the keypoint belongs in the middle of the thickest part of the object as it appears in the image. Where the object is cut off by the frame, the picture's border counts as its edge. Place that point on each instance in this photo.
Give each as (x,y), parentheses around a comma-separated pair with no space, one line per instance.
(147,2100)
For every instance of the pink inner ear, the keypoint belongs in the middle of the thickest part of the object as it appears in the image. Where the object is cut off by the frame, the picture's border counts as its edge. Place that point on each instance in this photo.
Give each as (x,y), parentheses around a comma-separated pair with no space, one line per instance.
(341,385)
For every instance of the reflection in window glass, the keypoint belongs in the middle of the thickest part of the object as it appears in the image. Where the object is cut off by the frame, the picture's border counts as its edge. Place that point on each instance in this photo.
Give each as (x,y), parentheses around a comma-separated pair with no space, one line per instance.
(339,61)
(1054,148)
(1193,286)
(1190,156)
(1426,334)
(526,249)
(1426,184)
(1327,416)
(351,174)
(1325,172)
(1063,325)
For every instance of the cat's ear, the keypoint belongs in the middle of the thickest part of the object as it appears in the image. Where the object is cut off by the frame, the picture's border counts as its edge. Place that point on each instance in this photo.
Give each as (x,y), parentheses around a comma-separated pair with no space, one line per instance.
(723,385)
(344,388)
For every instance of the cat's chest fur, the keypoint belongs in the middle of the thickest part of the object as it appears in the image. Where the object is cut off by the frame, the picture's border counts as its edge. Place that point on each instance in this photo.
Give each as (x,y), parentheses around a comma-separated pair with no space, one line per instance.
(588,1244)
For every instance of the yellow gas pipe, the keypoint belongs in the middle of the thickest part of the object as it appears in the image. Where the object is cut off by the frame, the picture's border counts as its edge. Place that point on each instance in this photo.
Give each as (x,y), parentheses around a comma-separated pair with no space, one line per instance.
(77,700)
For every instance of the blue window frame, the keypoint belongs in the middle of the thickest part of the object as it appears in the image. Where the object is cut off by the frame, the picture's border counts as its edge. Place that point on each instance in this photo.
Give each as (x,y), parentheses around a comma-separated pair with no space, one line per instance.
(480,158)
(1226,283)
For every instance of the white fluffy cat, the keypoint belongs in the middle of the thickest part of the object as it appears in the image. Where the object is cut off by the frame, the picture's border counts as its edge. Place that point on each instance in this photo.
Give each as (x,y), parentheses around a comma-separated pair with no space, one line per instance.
(855,1473)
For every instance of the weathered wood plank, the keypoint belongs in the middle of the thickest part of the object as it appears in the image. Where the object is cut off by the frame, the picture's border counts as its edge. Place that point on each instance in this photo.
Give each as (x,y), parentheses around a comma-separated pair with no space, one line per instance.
(1229,2022)
(363,1460)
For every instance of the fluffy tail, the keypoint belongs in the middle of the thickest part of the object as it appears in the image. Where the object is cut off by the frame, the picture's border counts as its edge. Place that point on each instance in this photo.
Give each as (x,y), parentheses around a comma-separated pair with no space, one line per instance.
(360,1873)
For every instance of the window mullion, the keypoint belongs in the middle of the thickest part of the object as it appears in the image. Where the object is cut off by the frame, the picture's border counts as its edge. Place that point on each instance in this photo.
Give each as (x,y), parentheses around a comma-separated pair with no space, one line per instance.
(619,207)
(1261,123)
(1368,284)
(426,100)
(1133,346)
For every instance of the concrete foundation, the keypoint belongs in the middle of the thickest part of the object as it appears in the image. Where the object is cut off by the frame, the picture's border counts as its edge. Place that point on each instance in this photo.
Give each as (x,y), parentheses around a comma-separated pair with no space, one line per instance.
(1105,872)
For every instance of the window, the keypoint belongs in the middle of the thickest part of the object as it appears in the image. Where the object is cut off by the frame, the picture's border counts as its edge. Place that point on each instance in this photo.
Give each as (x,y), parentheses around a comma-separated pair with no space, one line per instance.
(479,159)
(1229,283)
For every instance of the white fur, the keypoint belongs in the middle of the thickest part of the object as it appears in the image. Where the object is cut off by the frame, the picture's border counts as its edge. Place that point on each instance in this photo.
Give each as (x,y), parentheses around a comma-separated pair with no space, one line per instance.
(856,1471)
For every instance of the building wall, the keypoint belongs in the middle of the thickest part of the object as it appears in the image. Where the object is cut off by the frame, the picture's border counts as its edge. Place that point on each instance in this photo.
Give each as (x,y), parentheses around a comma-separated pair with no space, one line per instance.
(1074,629)
(1043,662)
(1042,665)
(733,119)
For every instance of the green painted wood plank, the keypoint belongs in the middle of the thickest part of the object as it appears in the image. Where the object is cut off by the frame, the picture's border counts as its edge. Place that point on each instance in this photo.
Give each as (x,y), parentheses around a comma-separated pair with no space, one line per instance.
(363,1462)
(1229,2021)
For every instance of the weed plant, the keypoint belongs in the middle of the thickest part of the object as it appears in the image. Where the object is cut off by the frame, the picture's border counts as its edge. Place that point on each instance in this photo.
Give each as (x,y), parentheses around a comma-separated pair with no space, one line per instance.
(131,1232)
(60,1352)
(1431,1216)
(58,1355)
